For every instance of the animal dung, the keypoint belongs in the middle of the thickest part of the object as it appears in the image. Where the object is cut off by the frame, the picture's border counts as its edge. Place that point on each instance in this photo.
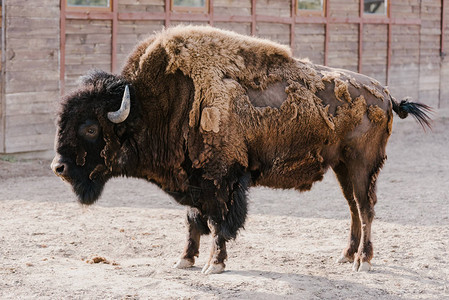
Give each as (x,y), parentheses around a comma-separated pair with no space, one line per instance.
(102,260)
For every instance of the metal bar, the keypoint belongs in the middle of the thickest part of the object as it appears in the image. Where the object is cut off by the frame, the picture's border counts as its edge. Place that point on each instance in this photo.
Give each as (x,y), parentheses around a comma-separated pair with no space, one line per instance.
(369,20)
(389,40)
(443,27)
(211,12)
(326,33)
(389,53)
(167,16)
(442,53)
(135,16)
(235,19)
(141,16)
(292,24)
(357,20)
(419,49)
(274,19)
(253,17)
(86,15)
(360,60)
(114,36)
(63,17)
(310,20)
(360,46)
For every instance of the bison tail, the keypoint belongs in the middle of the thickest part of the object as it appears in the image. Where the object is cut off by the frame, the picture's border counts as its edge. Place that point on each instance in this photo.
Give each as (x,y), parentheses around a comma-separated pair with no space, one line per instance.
(418,110)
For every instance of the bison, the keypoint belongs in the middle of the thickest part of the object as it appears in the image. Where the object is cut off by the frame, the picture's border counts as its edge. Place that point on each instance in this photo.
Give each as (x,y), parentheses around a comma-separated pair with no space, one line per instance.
(206,113)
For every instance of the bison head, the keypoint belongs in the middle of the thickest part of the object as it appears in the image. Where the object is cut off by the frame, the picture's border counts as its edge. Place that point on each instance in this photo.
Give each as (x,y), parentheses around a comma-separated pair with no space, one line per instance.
(91,129)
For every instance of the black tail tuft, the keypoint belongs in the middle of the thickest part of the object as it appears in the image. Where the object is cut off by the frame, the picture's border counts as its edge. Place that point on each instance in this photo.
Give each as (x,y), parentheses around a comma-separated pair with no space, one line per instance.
(418,110)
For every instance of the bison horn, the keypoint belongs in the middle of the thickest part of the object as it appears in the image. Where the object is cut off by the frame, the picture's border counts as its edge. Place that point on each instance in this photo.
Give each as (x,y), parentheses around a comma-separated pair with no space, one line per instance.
(120,115)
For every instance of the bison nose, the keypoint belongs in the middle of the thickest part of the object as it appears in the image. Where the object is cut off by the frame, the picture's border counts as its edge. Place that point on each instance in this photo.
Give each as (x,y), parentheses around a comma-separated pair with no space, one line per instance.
(58,167)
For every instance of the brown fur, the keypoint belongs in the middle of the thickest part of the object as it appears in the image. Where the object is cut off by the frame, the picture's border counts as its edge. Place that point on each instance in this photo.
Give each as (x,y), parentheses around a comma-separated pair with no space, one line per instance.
(214,112)
(375,113)
(341,90)
(287,142)
(374,91)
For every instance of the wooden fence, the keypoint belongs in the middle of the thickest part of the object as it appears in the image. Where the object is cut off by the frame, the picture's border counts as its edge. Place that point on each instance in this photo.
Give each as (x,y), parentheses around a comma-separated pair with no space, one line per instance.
(47,46)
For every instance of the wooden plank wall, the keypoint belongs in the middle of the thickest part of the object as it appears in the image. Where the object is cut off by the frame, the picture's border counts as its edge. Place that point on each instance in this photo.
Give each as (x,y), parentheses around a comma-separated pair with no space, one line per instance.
(278,8)
(274,31)
(374,51)
(31,67)
(129,33)
(2,100)
(154,6)
(404,70)
(309,42)
(344,8)
(343,46)
(415,62)
(444,78)
(233,8)
(88,46)
(31,74)
(429,52)
(88,42)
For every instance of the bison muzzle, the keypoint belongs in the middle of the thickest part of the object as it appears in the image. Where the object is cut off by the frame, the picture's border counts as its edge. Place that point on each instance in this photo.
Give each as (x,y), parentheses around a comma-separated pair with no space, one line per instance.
(206,113)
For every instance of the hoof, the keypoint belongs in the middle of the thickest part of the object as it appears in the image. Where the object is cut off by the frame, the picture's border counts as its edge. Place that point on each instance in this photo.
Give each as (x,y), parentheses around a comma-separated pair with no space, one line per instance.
(183,263)
(343,259)
(206,266)
(213,269)
(363,267)
(355,266)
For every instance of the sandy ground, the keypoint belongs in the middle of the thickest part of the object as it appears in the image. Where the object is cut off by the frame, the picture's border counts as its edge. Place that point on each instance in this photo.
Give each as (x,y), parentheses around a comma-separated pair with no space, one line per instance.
(50,247)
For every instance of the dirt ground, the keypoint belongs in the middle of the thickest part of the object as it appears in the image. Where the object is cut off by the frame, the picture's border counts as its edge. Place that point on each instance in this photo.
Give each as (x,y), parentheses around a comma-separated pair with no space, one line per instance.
(124,246)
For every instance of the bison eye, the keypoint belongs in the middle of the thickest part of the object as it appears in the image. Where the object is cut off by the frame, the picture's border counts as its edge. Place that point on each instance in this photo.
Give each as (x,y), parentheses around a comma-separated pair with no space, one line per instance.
(89,130)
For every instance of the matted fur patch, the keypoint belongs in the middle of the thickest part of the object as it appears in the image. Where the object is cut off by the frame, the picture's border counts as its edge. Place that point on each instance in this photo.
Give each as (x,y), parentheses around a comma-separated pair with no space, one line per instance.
(374,91)
(376,114)
(210,119)
(341,90)
(330,75)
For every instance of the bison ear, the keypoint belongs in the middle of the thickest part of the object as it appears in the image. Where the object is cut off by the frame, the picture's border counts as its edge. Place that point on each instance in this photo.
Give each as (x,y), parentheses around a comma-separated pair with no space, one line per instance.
(120,115)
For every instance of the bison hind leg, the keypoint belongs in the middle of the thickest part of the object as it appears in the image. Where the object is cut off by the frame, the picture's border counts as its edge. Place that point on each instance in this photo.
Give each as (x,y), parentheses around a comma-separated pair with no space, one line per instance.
(365,193)
(342,173)
(357,178)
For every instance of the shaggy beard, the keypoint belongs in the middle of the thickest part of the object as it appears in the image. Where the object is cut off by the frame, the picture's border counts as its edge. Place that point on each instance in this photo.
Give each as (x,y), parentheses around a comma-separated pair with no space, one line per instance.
(88,191)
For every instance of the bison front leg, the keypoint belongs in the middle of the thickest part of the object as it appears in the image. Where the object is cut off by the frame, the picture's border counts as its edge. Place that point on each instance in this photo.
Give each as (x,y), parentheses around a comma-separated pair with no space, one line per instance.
(225,225)
(197,226)
(218,252)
